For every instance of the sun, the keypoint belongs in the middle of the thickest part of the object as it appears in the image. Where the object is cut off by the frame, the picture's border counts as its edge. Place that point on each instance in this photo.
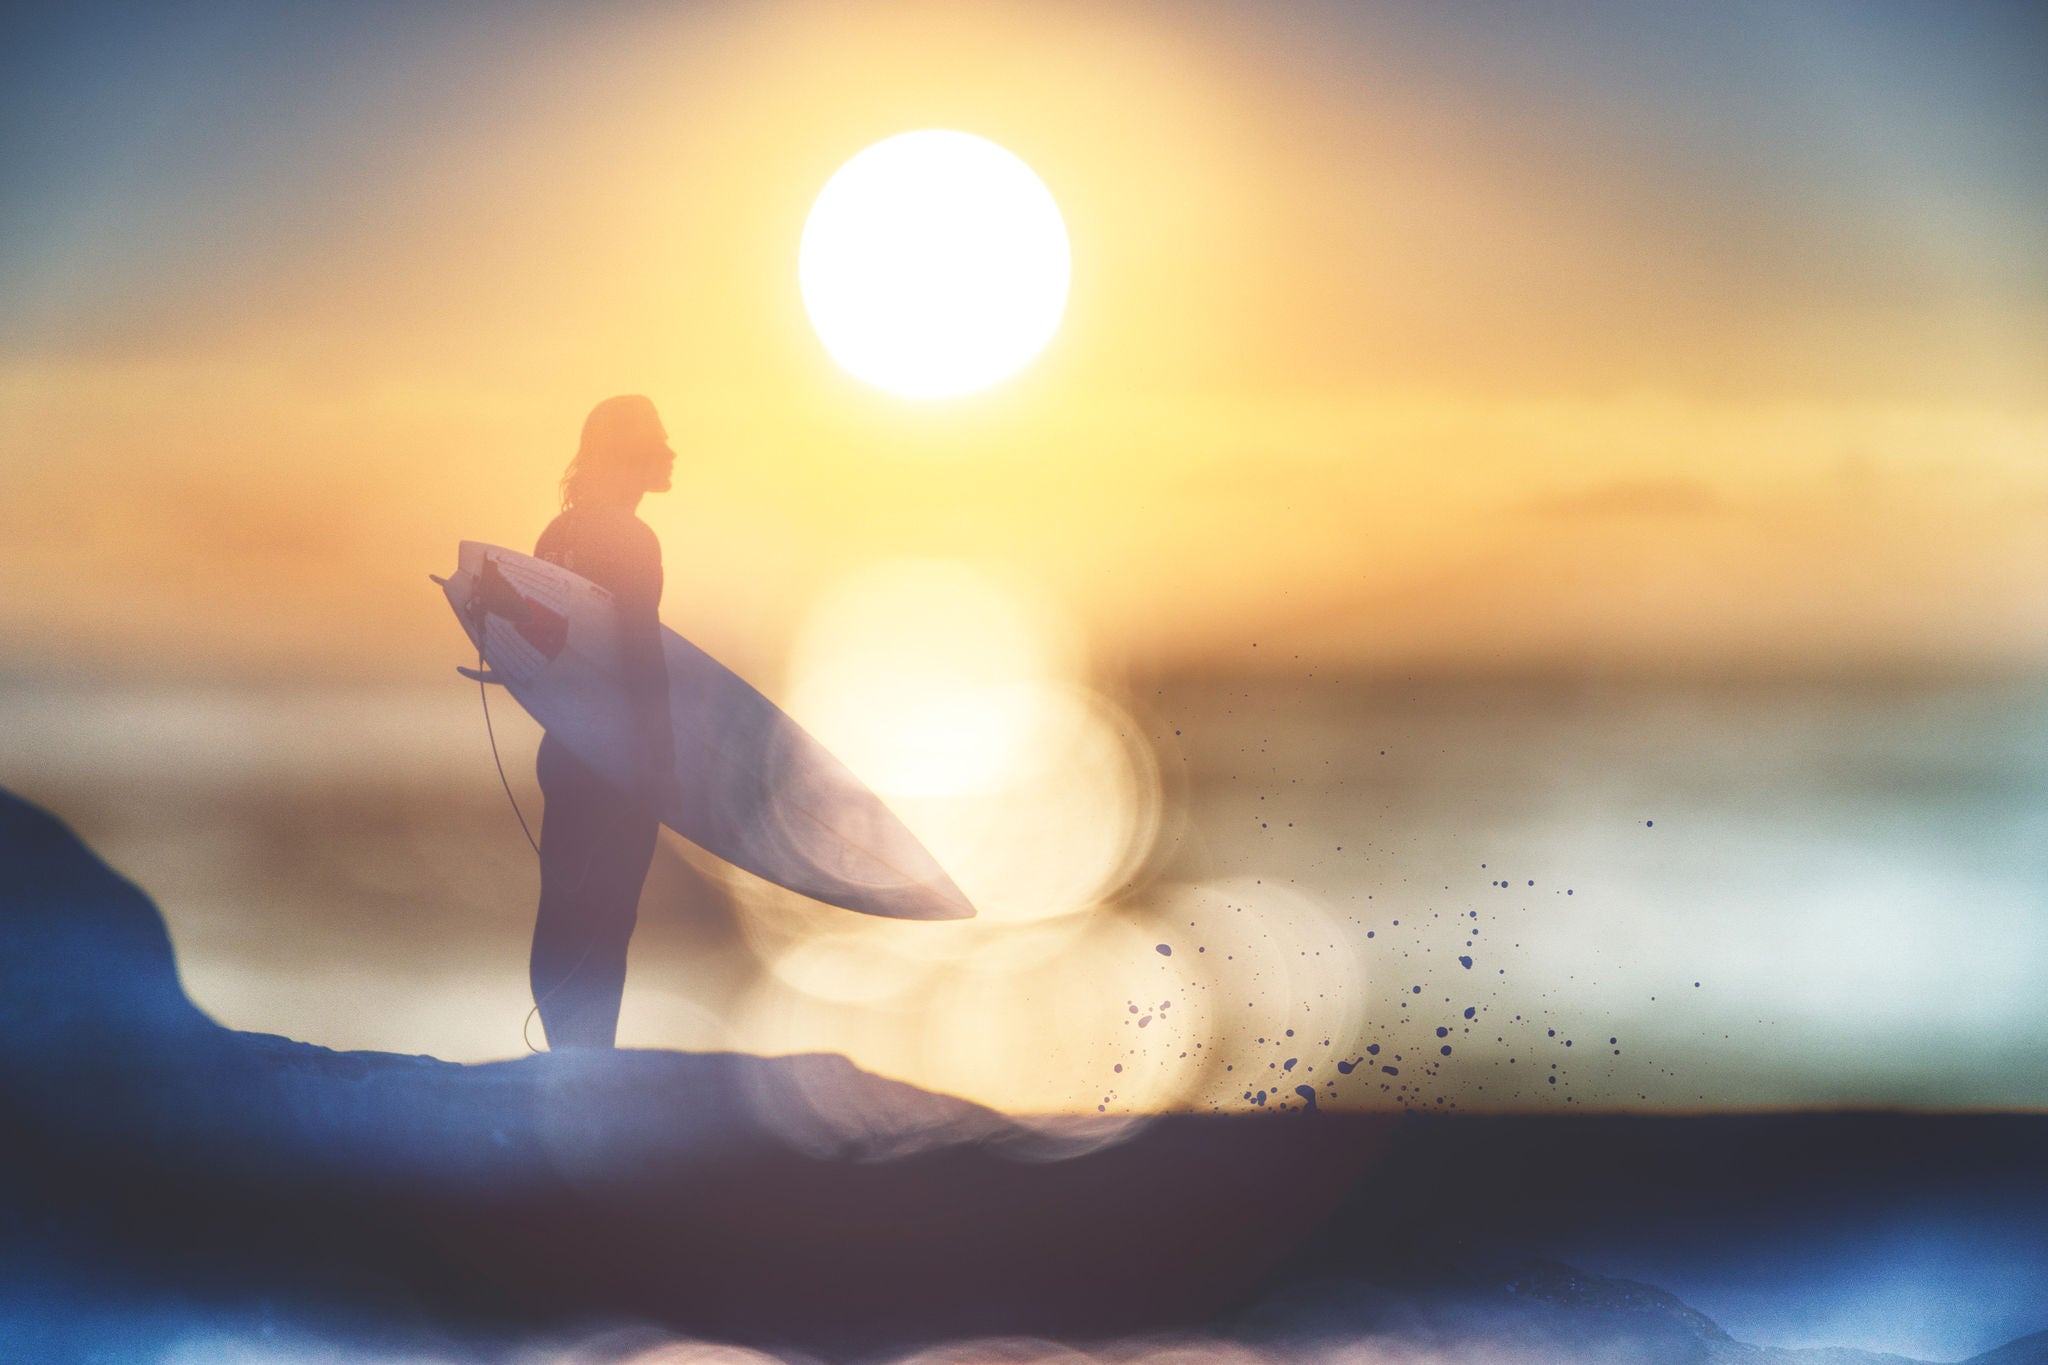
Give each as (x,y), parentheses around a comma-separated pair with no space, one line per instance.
(934,263)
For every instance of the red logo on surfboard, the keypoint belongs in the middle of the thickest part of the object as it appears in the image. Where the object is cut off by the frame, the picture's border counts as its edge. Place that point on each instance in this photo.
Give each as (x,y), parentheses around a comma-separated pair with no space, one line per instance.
(546,629)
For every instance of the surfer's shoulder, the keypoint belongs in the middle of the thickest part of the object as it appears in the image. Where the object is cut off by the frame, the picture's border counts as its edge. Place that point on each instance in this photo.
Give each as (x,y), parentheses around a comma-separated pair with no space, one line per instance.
(636,534)
(549,545)
(612,532)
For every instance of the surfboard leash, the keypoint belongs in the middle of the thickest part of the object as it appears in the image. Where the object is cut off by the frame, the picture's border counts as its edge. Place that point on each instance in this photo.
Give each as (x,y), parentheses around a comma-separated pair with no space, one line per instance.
(483,693)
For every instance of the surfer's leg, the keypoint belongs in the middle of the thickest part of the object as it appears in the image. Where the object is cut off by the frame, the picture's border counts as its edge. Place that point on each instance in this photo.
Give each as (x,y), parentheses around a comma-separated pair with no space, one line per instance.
(595,848)
(572,854)
(610,912)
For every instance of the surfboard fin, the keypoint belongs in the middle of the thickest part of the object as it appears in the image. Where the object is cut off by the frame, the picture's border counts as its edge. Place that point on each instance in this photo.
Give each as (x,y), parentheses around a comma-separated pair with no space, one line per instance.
(485,676)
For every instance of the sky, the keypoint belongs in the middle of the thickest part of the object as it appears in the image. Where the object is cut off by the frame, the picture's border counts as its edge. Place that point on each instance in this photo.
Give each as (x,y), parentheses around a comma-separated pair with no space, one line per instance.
(1613,336)
(1700,346)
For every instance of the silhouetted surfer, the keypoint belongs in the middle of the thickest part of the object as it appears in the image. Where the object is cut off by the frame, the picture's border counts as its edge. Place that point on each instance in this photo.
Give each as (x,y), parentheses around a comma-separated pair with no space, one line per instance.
(597,841)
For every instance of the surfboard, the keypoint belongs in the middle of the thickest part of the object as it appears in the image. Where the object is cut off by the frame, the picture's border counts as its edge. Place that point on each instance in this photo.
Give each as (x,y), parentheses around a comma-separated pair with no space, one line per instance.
(752,786)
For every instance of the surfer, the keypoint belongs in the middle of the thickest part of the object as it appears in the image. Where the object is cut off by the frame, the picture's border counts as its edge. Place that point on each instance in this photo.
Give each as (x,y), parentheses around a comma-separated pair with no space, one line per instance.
(597,841)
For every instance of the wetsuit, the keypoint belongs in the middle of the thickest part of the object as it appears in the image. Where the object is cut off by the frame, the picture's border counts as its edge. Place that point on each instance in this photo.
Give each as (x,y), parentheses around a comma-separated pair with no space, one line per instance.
(597,841)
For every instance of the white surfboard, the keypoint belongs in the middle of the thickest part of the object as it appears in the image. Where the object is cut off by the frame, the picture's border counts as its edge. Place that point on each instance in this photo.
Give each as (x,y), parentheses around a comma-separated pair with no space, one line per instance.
(752,787)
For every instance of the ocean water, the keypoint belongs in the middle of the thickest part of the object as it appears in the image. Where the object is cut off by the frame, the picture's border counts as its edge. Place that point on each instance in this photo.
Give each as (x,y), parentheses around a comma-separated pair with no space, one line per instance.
(1776,894)
(1720,896)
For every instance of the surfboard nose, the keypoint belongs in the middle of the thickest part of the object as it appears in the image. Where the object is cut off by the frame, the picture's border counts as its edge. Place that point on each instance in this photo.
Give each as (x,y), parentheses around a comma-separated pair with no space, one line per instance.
(931,903)
(955,900)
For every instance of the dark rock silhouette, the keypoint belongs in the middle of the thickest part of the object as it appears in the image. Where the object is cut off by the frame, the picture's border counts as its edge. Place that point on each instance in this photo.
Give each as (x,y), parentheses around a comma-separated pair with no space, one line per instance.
(795,1200)
(1541,1312)
(801,1203)
(2028,1350)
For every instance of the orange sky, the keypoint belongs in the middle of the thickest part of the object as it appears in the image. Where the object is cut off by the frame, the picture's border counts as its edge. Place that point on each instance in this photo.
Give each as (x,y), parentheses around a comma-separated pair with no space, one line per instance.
(1395,346)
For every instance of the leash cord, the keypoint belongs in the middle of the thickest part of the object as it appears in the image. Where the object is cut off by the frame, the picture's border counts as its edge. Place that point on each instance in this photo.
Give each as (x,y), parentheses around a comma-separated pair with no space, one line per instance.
(483,693)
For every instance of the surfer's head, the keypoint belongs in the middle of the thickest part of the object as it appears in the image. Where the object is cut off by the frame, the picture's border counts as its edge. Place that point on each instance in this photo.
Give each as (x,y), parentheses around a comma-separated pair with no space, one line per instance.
(624,453)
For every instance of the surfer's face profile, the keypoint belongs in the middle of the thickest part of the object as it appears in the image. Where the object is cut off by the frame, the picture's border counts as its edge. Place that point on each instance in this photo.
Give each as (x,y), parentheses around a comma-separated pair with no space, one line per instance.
(661,467)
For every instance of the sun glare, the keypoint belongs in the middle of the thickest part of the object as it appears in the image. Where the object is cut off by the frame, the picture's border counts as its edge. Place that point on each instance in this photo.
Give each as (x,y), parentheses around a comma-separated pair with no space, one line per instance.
(959,700)
(934,263)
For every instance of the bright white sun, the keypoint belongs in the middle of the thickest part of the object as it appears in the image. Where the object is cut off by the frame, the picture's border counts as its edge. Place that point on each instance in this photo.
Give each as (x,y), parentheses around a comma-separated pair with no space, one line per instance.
(934,263)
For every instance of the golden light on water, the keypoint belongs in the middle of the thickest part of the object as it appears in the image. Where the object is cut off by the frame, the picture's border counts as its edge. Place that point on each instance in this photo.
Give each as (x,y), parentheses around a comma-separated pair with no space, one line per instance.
(1077,1014)
(1032,1019)
(1064,829)
(854,965)
(964,702)
(1056,1034)
(960,700)
(934,263)
(927,677)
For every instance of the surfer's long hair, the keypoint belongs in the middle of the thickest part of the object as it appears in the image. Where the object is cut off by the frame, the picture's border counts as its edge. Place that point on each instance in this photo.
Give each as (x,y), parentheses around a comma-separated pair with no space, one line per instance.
(609,465)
